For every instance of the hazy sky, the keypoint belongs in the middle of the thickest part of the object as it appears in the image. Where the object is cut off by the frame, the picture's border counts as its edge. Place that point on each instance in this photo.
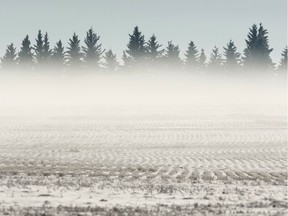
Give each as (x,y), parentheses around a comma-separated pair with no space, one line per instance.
(206,22)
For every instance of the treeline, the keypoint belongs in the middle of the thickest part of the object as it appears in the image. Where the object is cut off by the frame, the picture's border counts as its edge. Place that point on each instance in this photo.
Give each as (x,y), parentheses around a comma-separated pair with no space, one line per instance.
(143,54)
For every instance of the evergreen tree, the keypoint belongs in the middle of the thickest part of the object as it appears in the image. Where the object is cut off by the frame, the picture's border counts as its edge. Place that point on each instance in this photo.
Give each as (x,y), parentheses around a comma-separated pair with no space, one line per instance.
(232,57)
(250,51)
(283,63)
(153,54)
(264,50)
(172,56)
(215,60)
(46,49)
(25,55)
(74,53)
(202,60)
(192,60)
(58,55)
(111,63)
(92,51)
(136,48)
(8,61)
(126,60)
(38,48)
(257,51)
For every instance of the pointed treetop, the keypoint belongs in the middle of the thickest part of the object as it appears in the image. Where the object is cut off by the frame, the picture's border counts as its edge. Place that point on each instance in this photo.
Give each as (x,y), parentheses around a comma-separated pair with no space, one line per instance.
(74,53)
(191,55)
(202,58)
(215,58)
(92,51)
(38,47)
(9,58)
(111,63)
(58,54)
(172,54)
(136,47)
(46,48)
(153,46)
(232,57)
(25,55)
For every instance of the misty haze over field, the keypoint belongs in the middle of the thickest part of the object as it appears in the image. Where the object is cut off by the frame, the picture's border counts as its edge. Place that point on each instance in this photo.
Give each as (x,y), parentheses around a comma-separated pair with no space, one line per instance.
(139,89)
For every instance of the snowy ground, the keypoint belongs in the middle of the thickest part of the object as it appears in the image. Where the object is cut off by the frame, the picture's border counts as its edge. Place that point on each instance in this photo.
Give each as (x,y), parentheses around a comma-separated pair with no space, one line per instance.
(144,161)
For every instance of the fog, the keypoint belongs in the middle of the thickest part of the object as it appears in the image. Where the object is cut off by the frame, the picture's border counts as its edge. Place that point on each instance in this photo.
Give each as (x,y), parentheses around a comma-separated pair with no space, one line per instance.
(137,89)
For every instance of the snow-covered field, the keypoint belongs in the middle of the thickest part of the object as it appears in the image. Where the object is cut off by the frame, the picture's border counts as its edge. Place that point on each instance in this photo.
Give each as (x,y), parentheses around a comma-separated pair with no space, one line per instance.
(144,161)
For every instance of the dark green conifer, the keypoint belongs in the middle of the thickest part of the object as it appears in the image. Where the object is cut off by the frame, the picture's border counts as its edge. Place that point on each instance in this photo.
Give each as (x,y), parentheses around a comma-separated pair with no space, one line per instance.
(192,57)
(111,63)
(172,57)
(232,57)
(92,50)
(136,49)
(58,56)
(74,54)
(25,55)
(8,61)
(215,61)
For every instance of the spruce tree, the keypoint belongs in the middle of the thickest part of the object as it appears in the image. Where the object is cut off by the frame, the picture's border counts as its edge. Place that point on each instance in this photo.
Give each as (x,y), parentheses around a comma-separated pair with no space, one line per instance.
(38,48)
(111,63)
(136,48)
(93,51)
(215,60)
(58,55)
(172,57)
(126,60)
(74,53)
(250,52)
(283,63)
(153,52)
(232,57)
(264,51)
(192,58)
(202,60)
(257,51)
(8,61)
(25,55)
(46,49)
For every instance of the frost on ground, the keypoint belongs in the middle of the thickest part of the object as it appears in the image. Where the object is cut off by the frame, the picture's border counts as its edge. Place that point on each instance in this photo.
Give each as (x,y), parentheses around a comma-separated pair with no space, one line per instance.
(140,161)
